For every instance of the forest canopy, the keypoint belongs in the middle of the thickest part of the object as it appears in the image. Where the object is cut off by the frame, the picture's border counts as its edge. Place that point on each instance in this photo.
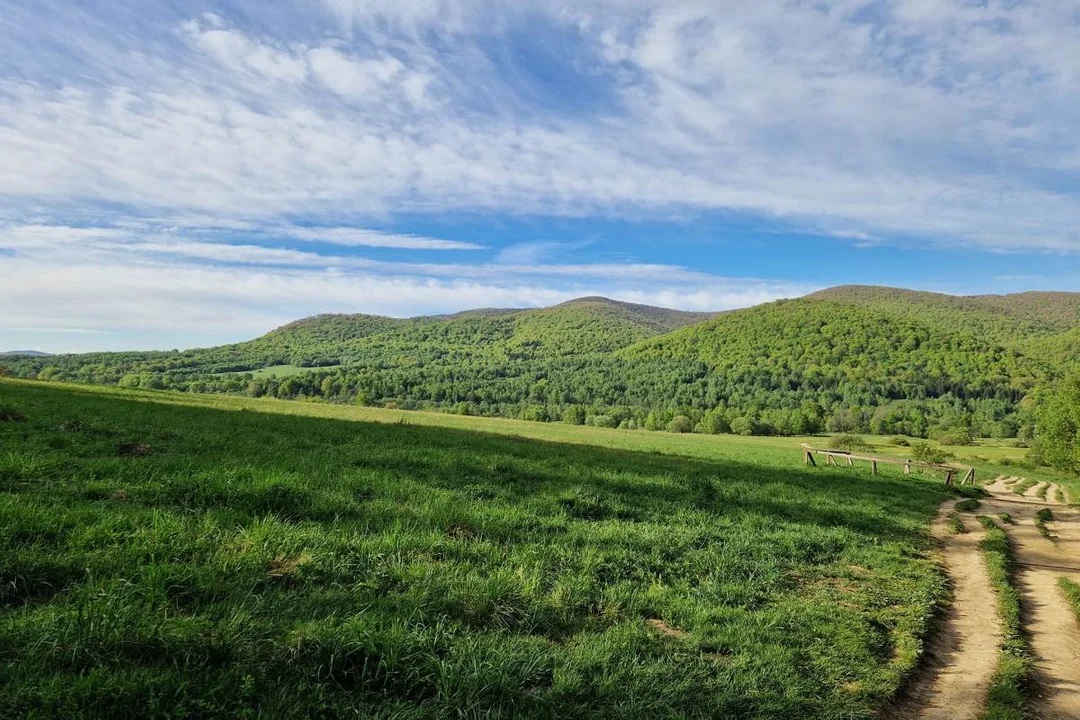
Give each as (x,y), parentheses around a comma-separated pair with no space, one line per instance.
(851,359)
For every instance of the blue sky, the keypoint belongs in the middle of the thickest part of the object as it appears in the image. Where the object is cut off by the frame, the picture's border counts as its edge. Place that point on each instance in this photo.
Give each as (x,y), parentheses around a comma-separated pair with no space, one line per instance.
(175,174)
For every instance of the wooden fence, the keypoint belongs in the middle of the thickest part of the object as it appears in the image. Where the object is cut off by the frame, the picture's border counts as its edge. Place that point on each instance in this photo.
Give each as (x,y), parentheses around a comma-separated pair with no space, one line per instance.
(831,456)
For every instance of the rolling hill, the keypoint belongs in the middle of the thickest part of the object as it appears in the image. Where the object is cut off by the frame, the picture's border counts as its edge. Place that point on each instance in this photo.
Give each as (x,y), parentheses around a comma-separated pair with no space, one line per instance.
(862,358)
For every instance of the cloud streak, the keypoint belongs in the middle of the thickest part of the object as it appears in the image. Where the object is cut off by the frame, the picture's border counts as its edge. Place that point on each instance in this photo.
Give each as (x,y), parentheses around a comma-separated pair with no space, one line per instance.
(174,145)
(912,117)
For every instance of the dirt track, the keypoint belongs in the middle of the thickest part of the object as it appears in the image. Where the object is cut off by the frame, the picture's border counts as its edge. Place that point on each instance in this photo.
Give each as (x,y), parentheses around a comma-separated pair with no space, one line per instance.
(1050,621)
(961,658)
(962,655)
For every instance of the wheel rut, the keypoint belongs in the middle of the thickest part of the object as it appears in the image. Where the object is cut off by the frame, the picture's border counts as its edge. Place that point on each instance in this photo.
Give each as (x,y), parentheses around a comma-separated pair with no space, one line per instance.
(1049,620)
(962,655)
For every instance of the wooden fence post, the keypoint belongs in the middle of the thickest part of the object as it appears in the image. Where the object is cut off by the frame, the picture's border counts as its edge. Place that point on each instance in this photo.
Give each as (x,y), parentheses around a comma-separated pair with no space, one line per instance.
(907,468)
(873,467)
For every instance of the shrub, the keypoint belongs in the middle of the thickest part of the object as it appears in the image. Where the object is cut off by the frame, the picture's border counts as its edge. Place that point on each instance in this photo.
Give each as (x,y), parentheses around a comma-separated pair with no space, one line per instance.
(713,423)
(849,442)
(742,426)
(956,436)
(925,452)
(679,424)
(901,441)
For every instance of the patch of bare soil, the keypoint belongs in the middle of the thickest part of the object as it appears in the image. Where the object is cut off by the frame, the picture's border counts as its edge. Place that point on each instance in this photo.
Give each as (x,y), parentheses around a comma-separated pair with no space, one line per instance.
(664,629)
(1002,484)
(1033,491)
(962,655)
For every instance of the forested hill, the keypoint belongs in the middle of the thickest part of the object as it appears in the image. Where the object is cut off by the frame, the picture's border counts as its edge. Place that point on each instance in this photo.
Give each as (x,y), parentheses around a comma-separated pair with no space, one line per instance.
(588,325)
(859,358)
(1006,319)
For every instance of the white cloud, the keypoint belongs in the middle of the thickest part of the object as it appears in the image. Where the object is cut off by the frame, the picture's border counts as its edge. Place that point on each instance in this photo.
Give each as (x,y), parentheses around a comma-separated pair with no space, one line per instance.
(87,294)
(919,118)
(371,238)
(529,253)
(136,140)
(236,51)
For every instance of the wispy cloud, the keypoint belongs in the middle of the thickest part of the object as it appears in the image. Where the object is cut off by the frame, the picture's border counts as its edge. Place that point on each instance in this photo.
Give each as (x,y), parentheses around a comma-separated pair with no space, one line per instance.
(888,115)
(530,253)
(240,140)
(369,238)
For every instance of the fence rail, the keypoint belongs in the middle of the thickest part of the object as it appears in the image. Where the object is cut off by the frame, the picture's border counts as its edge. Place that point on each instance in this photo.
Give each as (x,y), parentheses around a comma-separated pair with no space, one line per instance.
(831,456)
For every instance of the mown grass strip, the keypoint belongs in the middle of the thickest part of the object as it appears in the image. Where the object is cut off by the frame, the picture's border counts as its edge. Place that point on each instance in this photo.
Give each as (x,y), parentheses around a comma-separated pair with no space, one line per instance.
(1072,593)
(955,524)
(1007,697)
(1024,485)
(1041,492)
(1041,518)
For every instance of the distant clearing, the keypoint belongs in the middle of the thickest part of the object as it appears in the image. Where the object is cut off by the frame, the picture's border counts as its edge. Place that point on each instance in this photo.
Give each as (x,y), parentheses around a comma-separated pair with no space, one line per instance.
(281,371)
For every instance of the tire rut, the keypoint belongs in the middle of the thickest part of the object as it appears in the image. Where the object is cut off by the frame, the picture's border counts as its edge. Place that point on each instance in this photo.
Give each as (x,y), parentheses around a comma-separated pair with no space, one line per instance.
(1049,620)
(962,655)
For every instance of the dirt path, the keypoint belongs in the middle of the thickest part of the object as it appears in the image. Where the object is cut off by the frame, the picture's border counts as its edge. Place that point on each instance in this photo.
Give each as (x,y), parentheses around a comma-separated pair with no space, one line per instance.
(1050,621)
(962,655)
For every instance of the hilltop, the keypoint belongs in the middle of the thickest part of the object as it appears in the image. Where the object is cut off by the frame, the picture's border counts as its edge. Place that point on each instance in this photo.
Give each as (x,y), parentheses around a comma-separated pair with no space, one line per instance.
(859,358)
(1002,318)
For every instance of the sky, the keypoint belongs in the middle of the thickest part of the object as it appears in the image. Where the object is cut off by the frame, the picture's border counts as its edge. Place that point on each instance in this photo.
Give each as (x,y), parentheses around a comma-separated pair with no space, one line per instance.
(178,173)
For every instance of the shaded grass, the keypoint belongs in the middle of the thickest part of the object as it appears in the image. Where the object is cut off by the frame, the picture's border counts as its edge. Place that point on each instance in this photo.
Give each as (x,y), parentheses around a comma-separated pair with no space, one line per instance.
(955,524)
(1042,517)
(968,505)
(280,566)
(1008,687)
(1072,594)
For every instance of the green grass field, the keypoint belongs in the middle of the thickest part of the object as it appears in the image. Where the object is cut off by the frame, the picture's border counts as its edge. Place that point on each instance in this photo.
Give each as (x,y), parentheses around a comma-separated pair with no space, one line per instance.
(189,556)
(281,371)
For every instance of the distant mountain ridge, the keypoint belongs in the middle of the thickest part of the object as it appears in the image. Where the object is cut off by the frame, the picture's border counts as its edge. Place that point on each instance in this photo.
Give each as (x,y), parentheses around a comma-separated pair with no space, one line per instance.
(863,357)
(25,353)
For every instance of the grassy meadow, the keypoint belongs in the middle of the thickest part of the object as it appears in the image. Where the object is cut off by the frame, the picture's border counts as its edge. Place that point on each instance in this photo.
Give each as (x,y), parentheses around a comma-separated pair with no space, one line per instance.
(281,371)
(175,555)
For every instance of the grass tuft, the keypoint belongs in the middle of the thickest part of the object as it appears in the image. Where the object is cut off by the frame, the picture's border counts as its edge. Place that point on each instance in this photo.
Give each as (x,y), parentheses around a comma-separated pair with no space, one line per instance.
(1023,485)
(1008,687)
(956,524)
(1072,593)
(9,413)
(968,505)
(1042,517)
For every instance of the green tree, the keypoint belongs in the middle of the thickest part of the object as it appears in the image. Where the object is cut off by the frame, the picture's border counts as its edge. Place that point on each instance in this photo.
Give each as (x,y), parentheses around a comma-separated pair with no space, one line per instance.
(742,425)
(679,424)
(652,422)
(1058,428)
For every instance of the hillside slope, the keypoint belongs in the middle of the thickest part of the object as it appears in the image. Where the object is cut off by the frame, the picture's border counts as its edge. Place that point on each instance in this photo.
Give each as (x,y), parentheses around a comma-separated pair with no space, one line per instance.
(1007,319)
(170,561)
(858,358)
(824,345)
